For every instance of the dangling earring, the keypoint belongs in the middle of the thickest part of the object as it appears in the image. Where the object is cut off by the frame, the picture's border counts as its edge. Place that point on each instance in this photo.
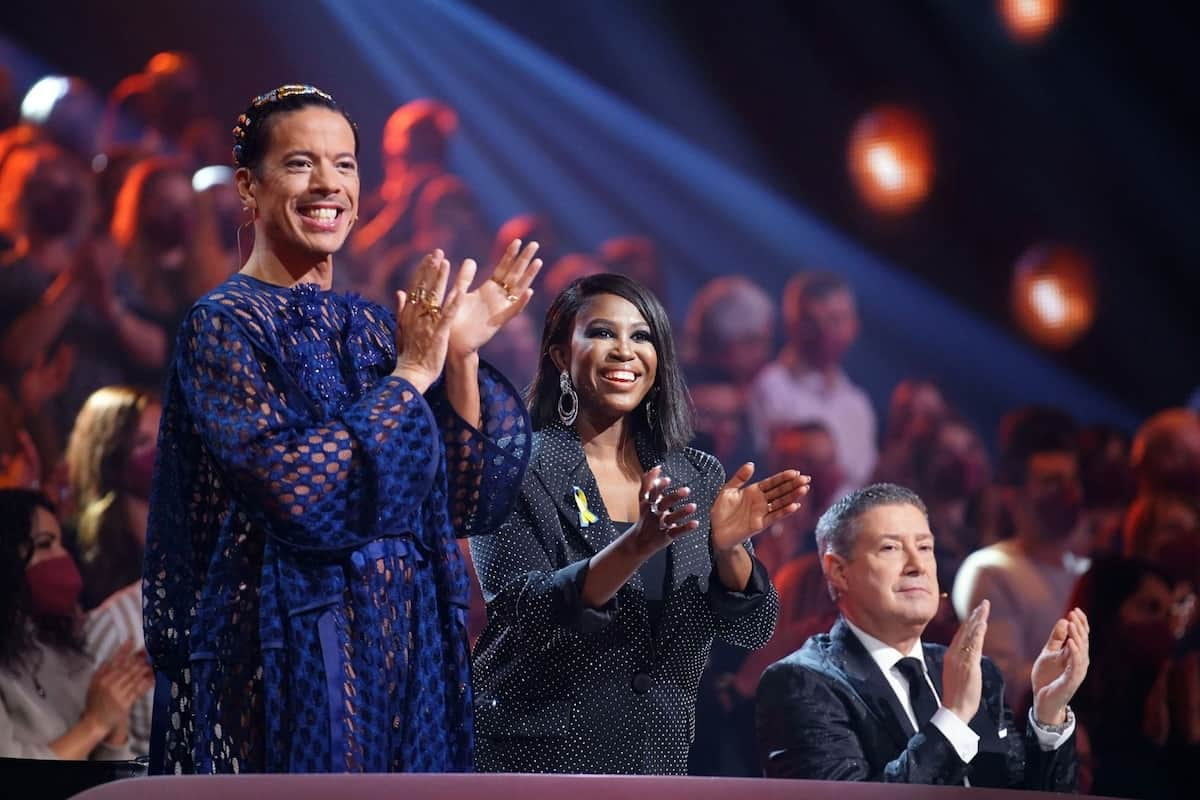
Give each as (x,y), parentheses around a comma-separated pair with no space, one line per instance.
(568,401)
(651,416)
(238,234)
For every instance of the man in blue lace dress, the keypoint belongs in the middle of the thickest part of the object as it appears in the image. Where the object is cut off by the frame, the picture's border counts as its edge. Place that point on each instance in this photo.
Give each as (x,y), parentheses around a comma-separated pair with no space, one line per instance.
(304,595)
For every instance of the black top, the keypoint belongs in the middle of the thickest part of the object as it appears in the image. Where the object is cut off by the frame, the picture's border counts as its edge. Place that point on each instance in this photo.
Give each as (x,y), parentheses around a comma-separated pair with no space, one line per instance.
(653,572)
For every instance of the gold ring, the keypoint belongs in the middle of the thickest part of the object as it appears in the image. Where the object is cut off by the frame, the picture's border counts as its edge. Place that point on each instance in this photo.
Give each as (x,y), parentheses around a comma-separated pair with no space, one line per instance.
(768,506)
(503,286)
(512,298)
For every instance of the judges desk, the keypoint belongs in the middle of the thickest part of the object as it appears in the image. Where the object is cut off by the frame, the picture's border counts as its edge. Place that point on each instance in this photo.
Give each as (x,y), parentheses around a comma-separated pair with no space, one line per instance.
(521,787)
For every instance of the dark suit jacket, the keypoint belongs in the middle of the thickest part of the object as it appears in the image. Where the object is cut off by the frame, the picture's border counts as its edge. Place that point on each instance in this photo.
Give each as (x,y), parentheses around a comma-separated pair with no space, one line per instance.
(826,712)
(560,687)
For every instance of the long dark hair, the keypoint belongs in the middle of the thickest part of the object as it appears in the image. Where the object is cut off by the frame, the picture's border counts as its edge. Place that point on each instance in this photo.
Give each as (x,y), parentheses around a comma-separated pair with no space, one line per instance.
(17,508)
(672,403)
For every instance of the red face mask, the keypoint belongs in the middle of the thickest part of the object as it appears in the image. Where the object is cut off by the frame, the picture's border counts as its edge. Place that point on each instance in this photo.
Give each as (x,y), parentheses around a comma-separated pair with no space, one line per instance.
(54,585)
(139,471)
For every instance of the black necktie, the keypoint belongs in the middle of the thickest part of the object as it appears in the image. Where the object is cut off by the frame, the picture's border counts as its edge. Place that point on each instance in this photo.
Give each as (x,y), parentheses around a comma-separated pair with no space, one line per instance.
(919,693)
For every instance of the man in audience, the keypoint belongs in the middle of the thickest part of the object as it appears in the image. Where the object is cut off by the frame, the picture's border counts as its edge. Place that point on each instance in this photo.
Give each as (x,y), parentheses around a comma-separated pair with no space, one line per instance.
(807,381)
(1028,578)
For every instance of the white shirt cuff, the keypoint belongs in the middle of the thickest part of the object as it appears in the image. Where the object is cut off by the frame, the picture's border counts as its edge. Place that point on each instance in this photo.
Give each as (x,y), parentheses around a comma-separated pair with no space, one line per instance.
(1049,740)
(964,740)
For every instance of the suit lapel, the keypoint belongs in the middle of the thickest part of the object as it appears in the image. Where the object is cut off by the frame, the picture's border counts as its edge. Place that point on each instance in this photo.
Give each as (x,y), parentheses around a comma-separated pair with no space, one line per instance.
(689,553)
(864,675)
(561,466)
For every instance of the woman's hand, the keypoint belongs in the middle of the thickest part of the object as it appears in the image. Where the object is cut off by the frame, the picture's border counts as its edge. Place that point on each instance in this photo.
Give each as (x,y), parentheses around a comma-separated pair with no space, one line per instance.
(657,524)
(424,318)
(741,511)
(115,686)
(495,301)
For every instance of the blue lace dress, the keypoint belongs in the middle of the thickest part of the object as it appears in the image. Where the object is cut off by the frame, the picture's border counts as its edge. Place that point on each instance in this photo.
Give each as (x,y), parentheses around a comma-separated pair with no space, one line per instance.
(304,595)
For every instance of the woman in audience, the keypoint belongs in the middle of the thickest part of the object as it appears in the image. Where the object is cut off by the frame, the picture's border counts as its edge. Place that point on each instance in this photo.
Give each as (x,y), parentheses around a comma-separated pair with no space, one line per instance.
(54,701)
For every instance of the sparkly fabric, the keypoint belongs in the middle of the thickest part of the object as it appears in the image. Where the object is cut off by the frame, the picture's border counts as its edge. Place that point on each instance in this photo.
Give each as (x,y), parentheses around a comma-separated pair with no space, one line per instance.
(826,712)
(561,687)
(305,598)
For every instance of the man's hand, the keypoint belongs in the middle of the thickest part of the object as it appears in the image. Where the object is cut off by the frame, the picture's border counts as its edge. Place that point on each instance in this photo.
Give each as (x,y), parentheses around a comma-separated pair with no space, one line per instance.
(962,675)
(1060,668)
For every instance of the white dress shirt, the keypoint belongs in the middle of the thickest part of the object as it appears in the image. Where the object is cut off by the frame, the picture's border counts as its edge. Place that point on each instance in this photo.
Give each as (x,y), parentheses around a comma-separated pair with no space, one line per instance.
(964,740)
(779,396)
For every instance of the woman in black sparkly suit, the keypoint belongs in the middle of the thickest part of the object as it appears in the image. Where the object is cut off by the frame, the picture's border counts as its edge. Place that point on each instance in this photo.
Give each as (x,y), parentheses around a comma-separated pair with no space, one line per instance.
(626,555)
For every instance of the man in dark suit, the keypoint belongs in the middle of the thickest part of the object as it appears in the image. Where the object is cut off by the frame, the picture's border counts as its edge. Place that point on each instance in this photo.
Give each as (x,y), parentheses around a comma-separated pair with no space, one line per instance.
(869,701)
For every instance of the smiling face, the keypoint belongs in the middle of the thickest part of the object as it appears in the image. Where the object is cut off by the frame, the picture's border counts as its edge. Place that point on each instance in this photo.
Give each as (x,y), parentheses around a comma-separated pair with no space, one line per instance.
(305,191)
(888,586)
(611,358)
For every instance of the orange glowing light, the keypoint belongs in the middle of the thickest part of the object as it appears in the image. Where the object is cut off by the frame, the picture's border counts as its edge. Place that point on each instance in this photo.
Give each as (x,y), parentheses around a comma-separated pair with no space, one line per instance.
(1029,20)
(1054,295)
(891,159)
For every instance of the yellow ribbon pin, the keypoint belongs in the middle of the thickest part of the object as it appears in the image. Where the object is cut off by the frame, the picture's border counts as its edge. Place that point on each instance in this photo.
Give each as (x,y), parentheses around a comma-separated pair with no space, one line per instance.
(585,517)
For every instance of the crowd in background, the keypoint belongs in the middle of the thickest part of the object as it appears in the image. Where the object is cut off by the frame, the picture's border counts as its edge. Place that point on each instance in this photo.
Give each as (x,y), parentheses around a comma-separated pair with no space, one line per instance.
(118,212)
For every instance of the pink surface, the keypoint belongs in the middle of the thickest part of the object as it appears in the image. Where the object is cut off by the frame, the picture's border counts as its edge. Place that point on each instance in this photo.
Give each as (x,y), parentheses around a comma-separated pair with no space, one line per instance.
(517,787)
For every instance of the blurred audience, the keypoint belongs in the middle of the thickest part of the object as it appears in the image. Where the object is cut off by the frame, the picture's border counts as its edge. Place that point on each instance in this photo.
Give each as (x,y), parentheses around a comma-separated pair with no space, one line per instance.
(1029,577)
(1108,485)
(569,267)
(110,461)
(728,338)
(1125,707)
(166,262)
(55,702)
(415,141)
(914,410)
(1164,530)
(950,467)
(162,110)
(61,320)
(530,228)
(810,448)
(1166,453)
(807,380)
(20,462)
(635,257)
(64,111)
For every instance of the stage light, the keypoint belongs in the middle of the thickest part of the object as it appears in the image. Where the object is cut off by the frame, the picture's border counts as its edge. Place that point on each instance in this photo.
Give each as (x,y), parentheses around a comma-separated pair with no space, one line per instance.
(891,159)
(1054,295)
(41,98)
(213,175)
(1029,20)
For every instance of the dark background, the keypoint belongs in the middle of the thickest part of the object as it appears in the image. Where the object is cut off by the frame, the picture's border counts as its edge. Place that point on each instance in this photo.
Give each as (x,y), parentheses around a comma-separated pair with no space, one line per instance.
(1086,138)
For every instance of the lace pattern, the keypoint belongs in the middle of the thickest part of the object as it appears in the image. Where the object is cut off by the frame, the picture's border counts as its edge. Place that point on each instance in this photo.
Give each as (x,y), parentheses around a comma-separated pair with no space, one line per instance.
(304,597)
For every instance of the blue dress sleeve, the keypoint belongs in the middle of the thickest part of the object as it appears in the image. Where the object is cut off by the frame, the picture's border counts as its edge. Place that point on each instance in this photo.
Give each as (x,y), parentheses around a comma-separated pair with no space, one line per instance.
(319,484)
(484,466)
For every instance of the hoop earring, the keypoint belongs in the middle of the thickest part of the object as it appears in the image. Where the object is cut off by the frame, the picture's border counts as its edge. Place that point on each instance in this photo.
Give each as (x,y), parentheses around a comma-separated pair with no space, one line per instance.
(567,397)
(651,415)
(238,235)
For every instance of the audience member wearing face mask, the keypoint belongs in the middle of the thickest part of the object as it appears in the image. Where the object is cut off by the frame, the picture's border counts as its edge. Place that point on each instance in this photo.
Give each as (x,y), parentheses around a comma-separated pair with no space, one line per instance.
(55,702)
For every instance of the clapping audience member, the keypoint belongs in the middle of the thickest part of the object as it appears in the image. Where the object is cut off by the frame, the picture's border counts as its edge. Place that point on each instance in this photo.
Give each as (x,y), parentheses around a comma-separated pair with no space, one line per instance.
(54,701)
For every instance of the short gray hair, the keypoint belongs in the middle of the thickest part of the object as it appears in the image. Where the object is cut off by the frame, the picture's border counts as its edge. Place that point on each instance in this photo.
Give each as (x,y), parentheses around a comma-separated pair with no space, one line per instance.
(836,528)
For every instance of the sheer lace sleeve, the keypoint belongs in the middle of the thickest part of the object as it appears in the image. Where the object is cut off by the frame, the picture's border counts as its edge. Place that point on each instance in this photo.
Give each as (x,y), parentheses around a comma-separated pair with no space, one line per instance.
(484,467)
(319,486)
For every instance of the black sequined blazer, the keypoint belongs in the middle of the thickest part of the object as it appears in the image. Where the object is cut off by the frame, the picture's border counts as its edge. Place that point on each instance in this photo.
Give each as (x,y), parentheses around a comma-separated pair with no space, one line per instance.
(826,712)
(560,687)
